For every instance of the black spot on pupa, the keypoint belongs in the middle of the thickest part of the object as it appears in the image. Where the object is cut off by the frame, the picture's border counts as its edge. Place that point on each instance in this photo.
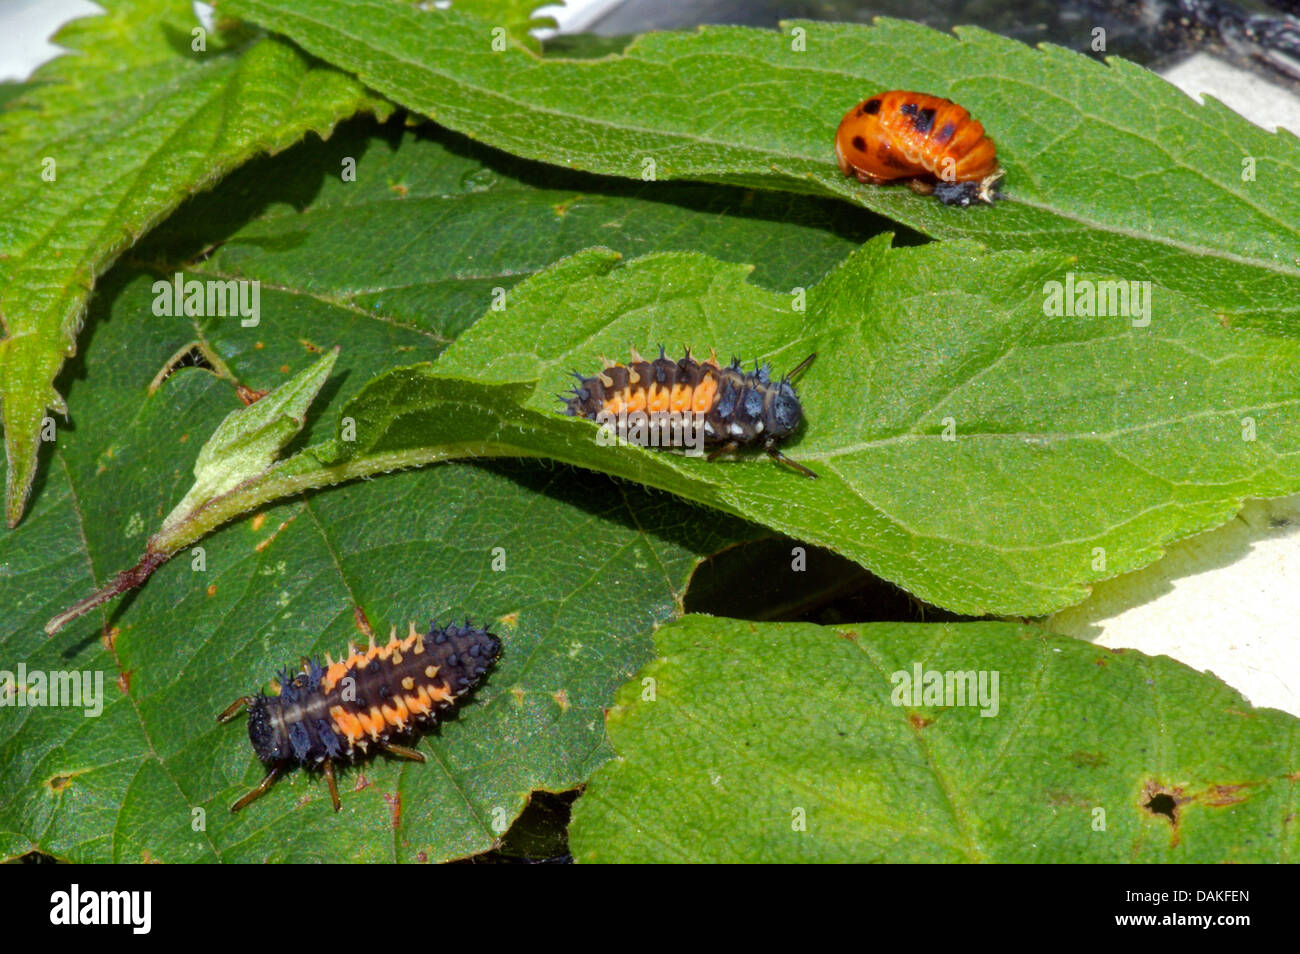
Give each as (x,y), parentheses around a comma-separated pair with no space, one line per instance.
(923,120)
(859,144)
(908,109)
(870,108)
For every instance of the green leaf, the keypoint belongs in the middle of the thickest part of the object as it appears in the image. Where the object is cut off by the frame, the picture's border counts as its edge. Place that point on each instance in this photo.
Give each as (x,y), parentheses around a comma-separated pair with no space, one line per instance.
(752,742)
(110,140)
(980,454)
(446,222)
(1106,162)
(124,786)
(429,288)
(247,442)
(515,16)
(590,565)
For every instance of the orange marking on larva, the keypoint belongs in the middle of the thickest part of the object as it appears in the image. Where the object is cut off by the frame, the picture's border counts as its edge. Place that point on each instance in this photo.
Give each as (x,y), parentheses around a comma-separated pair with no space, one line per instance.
(681,398)
(333,674)
(659,399)
(394,715)
(346,723)
(408,684)
(403,712)
(706,392)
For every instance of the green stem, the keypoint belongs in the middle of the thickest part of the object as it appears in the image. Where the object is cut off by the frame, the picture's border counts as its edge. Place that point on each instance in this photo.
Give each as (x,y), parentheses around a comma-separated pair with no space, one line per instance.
(279,482)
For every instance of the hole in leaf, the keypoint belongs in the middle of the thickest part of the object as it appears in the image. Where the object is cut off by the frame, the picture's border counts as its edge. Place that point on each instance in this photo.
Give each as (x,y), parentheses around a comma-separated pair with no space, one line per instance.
(780,579)
(1163,804)
(193,355)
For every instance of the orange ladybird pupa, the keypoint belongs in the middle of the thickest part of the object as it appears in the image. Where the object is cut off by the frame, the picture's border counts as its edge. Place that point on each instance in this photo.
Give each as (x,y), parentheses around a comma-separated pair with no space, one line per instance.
(930,142)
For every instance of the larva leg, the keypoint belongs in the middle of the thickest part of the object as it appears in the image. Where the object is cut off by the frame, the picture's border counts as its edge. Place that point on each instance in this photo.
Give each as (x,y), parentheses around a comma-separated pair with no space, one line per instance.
(776,455)
(334,788)
(726,448)
(234,707)
(261,789)
(403,752)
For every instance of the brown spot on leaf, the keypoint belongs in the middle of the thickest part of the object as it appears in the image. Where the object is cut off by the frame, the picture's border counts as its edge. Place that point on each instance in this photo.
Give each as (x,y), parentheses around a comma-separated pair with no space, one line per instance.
(361,621)
(212,589)
(58,783)
(263,544)
(1060,797)
(249,395)
(918,721)
(394,800)
(561,209)
(1088,759)
(124,682)
(562,700)
(258,521)
(1219,796)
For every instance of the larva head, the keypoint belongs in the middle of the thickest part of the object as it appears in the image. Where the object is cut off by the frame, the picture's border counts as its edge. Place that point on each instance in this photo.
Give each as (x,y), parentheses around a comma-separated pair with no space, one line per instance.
(784,411)
(266,729)
(463,654)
